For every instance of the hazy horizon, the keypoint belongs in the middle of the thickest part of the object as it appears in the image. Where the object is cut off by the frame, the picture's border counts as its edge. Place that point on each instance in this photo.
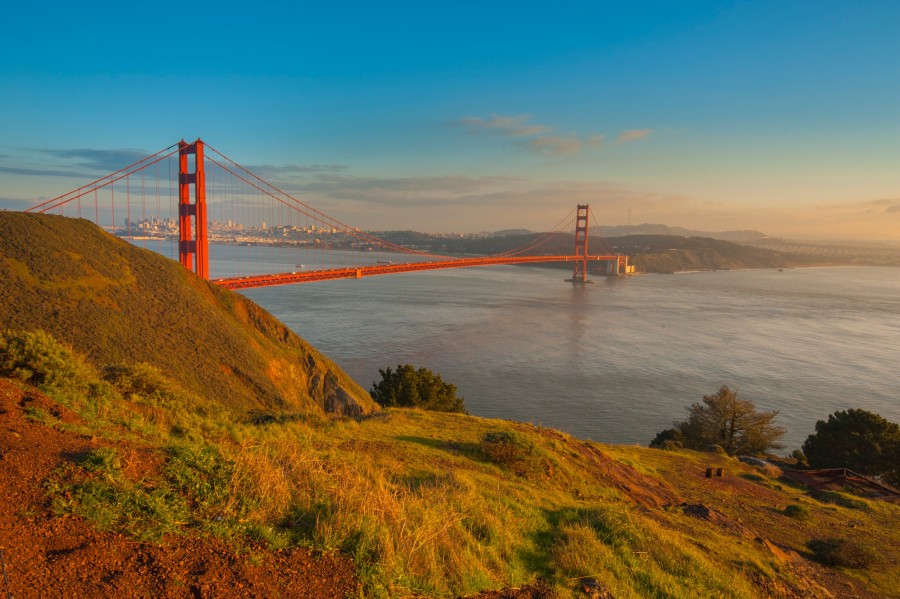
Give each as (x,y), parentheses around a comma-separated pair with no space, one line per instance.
(715,116)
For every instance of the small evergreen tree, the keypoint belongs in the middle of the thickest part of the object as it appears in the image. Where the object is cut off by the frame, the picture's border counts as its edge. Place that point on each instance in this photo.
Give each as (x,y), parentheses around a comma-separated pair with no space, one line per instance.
(407,387)
(671,437)
(726,420)
(858,440)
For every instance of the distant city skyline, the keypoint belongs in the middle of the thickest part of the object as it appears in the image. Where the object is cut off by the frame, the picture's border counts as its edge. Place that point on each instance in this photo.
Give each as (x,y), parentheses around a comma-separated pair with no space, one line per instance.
(782,117)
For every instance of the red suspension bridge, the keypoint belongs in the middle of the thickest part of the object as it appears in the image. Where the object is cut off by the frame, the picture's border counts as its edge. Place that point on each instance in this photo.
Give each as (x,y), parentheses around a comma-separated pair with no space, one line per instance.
(192,202)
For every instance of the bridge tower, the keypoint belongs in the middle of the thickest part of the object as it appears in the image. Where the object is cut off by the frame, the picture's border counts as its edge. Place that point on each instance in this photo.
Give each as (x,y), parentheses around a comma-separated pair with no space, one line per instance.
(579,274)
(193,246)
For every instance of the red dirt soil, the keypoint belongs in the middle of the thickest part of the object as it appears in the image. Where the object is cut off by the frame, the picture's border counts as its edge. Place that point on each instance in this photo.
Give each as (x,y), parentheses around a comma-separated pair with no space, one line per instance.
(64,556)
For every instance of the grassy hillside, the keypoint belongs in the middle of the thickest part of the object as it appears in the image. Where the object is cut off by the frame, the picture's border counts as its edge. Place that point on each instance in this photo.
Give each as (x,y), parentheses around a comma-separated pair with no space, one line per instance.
(440,505)
(122,305)
(114,433)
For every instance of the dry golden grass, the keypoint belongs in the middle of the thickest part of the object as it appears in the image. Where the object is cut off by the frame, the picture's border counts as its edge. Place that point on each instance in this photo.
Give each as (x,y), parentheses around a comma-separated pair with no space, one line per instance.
(424,505)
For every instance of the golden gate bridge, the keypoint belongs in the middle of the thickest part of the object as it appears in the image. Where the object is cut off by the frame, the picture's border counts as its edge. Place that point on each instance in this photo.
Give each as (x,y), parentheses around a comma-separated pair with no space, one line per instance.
(189,195)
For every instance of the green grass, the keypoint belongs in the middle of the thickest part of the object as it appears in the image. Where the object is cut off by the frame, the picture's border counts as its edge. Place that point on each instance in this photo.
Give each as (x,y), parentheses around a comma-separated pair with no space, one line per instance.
(118,304)
(439,504)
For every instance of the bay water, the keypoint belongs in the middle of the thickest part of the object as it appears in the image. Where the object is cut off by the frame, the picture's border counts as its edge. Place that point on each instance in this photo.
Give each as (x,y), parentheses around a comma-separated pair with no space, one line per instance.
(620,359)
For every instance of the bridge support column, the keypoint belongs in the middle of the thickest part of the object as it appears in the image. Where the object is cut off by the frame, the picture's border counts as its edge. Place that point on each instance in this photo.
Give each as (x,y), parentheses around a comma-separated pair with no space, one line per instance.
(193,245)
(579,274)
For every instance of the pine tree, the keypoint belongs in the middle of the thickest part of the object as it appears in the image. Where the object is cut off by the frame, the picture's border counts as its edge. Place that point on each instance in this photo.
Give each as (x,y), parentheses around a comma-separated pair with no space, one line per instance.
(726,420)
(407,387)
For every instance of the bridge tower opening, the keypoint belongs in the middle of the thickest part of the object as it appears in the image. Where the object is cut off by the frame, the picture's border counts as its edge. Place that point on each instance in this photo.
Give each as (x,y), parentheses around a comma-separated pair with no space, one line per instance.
(579,274)
(193,246)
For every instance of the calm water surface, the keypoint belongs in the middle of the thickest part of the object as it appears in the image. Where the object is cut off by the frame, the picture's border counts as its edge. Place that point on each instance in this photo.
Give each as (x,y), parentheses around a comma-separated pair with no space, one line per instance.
(618,360)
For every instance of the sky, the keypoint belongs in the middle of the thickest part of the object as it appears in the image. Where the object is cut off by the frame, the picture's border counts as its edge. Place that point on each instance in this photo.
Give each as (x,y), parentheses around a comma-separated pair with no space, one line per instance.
(780,116)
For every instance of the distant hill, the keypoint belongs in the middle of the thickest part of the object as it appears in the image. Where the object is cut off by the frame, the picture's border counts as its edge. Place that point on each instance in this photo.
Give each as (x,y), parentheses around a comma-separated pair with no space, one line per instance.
(119,304)
(671,253)
(506,232)
(659,229)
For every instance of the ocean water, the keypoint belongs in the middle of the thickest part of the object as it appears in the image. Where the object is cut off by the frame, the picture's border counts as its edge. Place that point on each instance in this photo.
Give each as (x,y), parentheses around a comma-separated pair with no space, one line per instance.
(621,359)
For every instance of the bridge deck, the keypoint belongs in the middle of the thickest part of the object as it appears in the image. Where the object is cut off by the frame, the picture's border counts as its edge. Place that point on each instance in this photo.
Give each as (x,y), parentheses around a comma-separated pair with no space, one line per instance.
(357,272)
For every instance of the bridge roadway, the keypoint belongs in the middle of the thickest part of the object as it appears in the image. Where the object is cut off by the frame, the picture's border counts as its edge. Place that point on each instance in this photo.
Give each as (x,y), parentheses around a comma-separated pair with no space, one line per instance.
(358,272)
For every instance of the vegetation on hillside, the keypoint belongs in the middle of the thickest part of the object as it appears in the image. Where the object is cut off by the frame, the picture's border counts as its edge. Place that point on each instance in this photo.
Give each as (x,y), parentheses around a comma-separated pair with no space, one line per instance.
(407,387)
(119,304)
(669,253)
(440,504)
(859,440)
(650,253)
(724,420)
(434,504)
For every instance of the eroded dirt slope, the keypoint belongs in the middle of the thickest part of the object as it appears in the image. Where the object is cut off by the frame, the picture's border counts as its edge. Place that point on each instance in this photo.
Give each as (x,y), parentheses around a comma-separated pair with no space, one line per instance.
(64,556)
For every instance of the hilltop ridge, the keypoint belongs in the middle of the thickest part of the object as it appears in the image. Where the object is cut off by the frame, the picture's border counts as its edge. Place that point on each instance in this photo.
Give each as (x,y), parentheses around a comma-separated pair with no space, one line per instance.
(119,304)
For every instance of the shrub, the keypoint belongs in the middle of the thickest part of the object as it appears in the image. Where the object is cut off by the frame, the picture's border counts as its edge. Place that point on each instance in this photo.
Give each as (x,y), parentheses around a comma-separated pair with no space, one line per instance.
(841,553)
(797,512)
(37,358)
(510,451)
(669,438)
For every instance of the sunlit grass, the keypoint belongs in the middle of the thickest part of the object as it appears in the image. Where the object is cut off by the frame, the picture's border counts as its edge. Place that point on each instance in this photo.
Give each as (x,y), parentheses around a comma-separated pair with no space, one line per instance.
(435,503)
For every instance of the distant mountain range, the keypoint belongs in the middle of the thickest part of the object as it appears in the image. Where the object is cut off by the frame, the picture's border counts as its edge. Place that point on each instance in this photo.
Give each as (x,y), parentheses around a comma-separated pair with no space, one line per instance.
(654,229)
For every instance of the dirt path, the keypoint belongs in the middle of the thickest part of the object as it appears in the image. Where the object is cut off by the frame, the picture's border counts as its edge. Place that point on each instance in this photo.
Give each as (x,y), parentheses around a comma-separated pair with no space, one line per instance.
(54,556)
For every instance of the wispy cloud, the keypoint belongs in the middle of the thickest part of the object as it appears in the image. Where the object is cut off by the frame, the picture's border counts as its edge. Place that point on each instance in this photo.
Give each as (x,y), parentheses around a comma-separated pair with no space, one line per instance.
(555,145)
(398,191)
(889,206)
(81,163)
(42,172)
(508,126)
(538,138)
(102,161)
(272,170)
(633,135)
(879,206)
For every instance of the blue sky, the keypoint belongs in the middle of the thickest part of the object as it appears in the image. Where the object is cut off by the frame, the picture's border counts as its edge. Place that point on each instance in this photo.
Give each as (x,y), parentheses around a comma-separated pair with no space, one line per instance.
(779,116)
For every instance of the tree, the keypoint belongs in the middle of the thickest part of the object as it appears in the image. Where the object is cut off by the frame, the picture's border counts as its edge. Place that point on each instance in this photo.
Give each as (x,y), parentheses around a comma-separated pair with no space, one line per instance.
(859,440)
(733,423)
(410,388)
(669,438)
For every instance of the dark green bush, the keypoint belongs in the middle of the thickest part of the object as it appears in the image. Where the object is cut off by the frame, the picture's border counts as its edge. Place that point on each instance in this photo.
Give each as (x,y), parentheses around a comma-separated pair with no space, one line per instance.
(670,438)
(859,440)
(407,387)
(510,451)
(797,512)
(840,553)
